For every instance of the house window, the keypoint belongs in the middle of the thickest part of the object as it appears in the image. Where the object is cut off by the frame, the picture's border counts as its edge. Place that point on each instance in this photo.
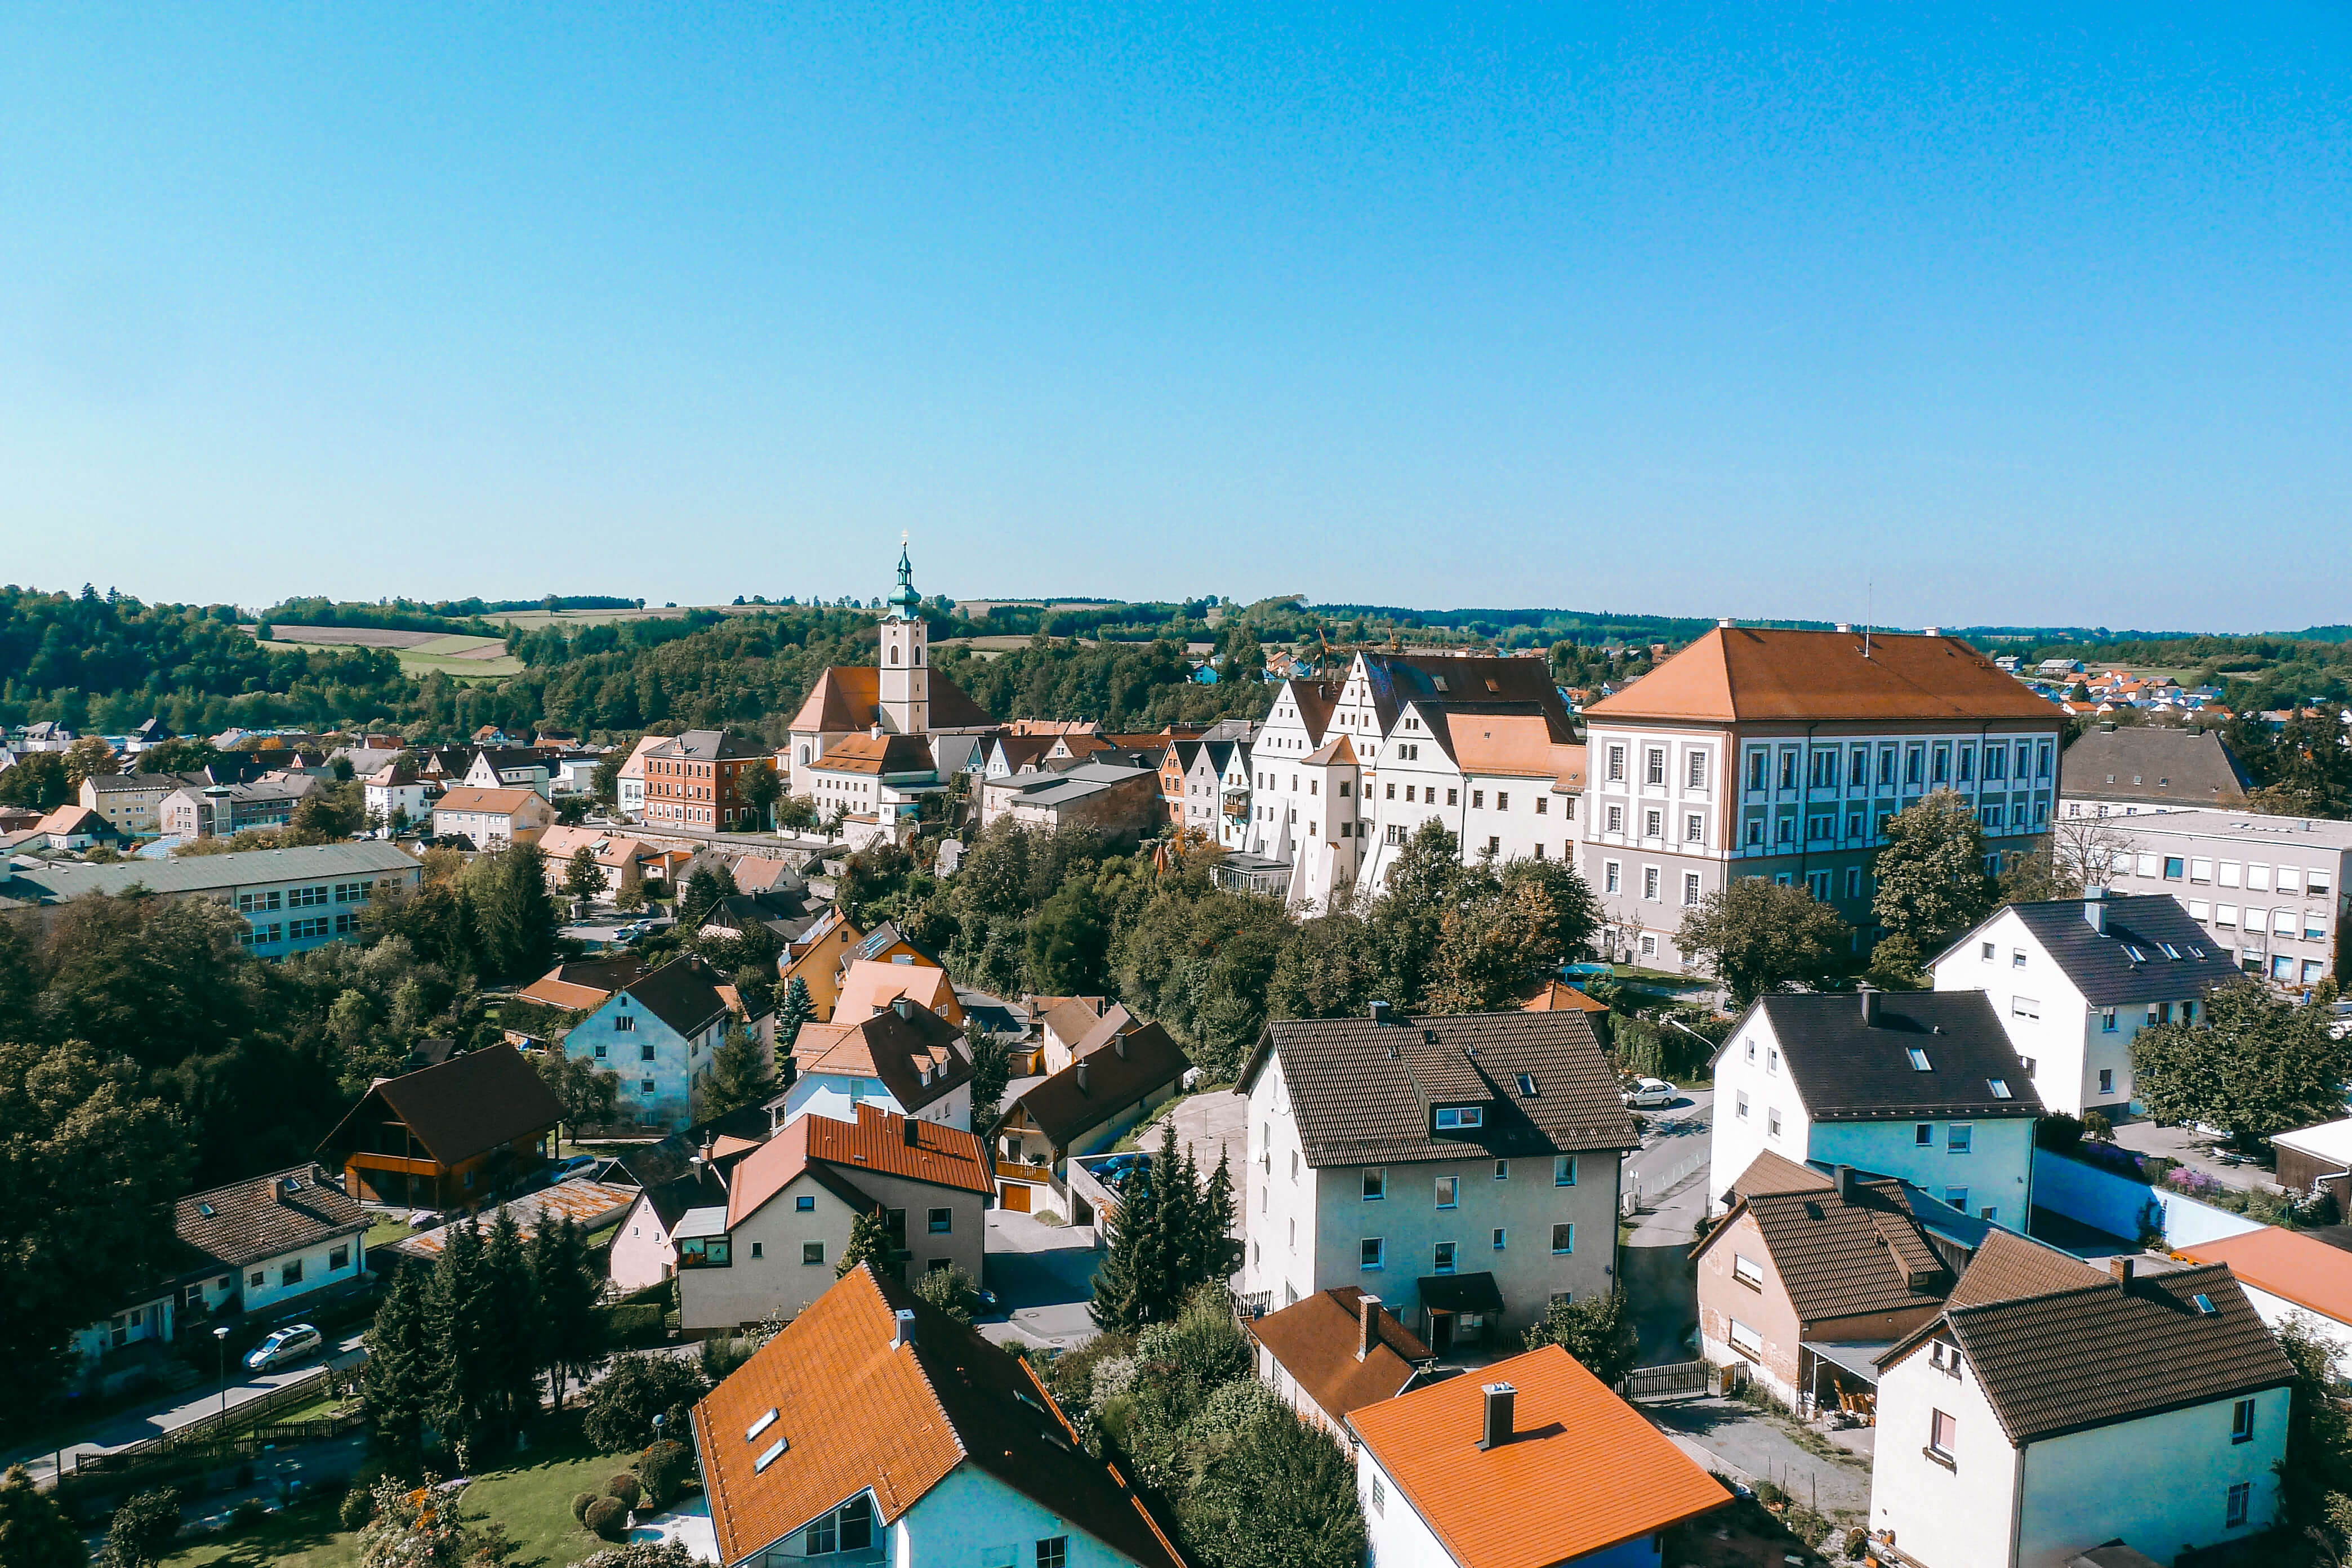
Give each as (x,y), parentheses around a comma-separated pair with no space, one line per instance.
(290,1274)
(1376,1186)
(1958,1197)
(623,1023)
(646,1053)
(1748,1272)
(1740,1109)
(1697,771)
(1442,1257)
(1563,1238)
(1960,1138)
(942,1222)
(2107,1080)
(2242,1496)
(1690,889)
(1502,1169)
(1451,1117)
(1654,769)
(1650,880)
(1772,1123)
(1054,1552)
(1449,1190)
(1693,827)
(2025,1007)
(1745,1341)
(812,1252)
(2242,1422)
(1923,1136)
(1943,1436)
(339,1259)
(2106,1020)
(804,1203)
(1373,1250)
(1380,1495)
(1611,874)
(1498,1238)
(1478,799)
(1563,1170)
(757,1248)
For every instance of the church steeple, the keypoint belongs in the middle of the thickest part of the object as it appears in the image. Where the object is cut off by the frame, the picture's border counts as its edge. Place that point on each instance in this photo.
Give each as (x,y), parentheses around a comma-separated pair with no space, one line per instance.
(905,603)
(905,684)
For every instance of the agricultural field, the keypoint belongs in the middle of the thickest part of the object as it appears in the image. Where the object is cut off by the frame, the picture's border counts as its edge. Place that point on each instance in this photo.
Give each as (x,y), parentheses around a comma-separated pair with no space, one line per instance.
(419,653)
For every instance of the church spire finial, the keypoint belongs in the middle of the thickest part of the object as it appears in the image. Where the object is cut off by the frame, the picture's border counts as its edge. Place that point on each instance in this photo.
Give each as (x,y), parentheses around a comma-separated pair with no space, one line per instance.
(905,602)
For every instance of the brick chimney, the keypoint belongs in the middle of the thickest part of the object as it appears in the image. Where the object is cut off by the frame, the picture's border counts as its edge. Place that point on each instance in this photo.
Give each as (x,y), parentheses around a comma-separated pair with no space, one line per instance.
(1499,1398)
(1079,1068)
(1368,1325)
(2120,1266)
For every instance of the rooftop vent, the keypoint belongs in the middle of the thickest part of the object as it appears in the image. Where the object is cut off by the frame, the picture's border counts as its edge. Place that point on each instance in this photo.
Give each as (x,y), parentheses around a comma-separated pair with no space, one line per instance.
(1845,626)
(2094,908)
(902,1333)
(1869,1008)
(1725,622)
(1078,1072)
(1499,1399)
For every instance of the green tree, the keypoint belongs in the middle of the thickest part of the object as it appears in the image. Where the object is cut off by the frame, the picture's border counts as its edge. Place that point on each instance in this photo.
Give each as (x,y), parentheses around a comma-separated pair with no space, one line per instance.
(1505,931)
(739,1074)
(90,1163)
(705,886)
(511,1328)
(2257,1064)
(951,1291)
(567,1334)
(34,1532)
(1757,936)
(399,1383)
(868,1243)
(582,877)
(1405,921)
(142,1531)
(1069,942)
(1596,1331)
(589,1097)
(761,789)
(507,891)
(606,785)
(992,1070)
(464,1328)
(795,1010)
(1153,1251)
(90,758)
(623,1405)
(1282,1495)
(38,782)
(1931,874)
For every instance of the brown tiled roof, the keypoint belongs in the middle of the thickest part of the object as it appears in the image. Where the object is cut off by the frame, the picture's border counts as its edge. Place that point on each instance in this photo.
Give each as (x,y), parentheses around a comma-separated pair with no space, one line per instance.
(247,1221)
(1359,1087)
(583,983)
(2009,1266)
(2288,1263)
(849,697)
(494,801)
(855,1414)
(1315,700)
(709,745)
(1583,1470)
(2105,1352)
(1070,1018)
(1766,673)
(1116,1021)
(1839,1258)
(1315,1340)
(465,1106)
(1518,745)
(1338,750)
(876,755)
(1060,1109)
(893,1048)
(1768,1173)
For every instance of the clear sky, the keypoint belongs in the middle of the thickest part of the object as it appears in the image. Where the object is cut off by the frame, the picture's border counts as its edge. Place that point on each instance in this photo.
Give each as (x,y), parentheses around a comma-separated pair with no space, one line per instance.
(2033,316)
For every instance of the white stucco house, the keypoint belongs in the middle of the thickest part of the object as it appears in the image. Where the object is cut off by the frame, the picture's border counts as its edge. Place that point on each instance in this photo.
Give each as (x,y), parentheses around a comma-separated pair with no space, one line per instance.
(1920,1085)
(904,1058)
(2074,980)
(2052,1408)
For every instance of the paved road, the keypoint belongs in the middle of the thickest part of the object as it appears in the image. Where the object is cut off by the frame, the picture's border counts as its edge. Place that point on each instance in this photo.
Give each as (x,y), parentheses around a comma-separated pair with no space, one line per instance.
(1673,1197)
(125,1427)
(1210,1124)
(1044,1276)
(1726,1433)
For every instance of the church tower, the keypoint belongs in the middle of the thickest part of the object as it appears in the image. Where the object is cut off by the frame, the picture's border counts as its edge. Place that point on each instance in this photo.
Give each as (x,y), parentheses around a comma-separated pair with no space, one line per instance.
(906,671)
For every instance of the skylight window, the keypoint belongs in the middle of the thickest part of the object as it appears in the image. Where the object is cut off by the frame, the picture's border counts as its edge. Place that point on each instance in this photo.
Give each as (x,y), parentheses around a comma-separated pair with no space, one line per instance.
(206,1210)
(2196,953)
(751,1433)
(1999,1087)
(1527,1084)
(2169,950)
(1919,1062)
(2136,954)
(768,1455)
(2205,1304)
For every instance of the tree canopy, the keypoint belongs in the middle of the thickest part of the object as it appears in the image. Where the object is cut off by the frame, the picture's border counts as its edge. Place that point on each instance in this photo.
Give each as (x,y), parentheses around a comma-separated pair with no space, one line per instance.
(2255,1065)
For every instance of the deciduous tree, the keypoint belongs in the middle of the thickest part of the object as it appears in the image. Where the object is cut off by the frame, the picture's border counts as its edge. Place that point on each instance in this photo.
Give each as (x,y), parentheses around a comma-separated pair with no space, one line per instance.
(1931,875)
(582,877)
(1596,1331)
(1757,936)
(2256,1064)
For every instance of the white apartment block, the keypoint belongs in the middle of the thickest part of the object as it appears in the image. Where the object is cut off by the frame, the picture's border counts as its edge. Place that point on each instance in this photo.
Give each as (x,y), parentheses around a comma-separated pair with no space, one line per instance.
(2269,890)
(1758,751)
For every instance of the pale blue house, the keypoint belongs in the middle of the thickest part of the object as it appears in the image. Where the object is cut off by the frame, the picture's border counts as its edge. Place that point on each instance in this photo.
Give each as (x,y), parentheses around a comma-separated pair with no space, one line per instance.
(658,1033)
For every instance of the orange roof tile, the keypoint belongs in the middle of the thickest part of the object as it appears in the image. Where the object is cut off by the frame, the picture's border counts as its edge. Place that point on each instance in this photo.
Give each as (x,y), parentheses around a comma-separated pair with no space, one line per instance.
(943,1156)
(494,801)
(870,984)
(1584,1471)
(2308,1272)
(1514,745)
(1558,995)
(1767,673)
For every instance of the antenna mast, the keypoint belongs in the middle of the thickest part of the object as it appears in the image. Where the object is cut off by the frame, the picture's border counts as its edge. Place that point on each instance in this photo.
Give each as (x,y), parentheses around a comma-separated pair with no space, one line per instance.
(1869,592)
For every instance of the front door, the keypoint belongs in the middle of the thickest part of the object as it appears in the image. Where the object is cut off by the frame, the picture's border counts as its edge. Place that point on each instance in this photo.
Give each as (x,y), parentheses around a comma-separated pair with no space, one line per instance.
(1441,1331)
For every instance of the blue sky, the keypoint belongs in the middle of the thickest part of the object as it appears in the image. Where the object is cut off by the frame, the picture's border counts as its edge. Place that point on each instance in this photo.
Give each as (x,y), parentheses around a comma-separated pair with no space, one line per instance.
(2034,317)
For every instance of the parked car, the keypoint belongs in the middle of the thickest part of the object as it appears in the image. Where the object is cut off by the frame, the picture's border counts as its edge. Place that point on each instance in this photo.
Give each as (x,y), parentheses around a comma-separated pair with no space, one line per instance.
(577,1166)
(1648,1092)
(424,1219)
(290,1343)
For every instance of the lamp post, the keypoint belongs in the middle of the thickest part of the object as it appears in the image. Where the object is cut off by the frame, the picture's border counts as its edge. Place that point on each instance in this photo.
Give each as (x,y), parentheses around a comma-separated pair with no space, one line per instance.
(220,1338)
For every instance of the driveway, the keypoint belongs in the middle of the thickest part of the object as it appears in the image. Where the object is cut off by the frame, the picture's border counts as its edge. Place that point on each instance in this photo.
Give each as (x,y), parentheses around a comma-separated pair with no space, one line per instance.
(2197,1151)
(1044,1277)
(1726,1434)
(1210,1124)
(124,1427)
(1668,1177)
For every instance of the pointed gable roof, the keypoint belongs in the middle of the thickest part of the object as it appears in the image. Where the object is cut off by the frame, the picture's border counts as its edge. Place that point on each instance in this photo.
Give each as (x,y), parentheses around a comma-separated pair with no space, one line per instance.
(849,697)
(465,1106)
(1770,673)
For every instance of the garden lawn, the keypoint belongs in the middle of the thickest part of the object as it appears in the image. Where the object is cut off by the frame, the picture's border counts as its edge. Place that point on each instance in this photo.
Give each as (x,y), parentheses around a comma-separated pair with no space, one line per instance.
(530,1493)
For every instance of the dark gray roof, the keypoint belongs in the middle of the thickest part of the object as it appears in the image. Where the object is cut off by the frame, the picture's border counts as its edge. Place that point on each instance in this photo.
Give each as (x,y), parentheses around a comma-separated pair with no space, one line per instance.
(1439,684)
(1363,1091)
(2151,925)
(1850,1070)
(683,994)
(2152,761)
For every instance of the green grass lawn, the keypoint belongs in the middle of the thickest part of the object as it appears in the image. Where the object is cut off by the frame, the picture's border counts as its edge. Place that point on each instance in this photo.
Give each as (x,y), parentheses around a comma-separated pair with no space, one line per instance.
(386,1231)
(530,1493)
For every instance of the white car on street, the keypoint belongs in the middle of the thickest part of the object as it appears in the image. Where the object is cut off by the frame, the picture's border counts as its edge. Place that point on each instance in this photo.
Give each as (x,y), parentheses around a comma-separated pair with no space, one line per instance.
(1647,1093)
(290,1343)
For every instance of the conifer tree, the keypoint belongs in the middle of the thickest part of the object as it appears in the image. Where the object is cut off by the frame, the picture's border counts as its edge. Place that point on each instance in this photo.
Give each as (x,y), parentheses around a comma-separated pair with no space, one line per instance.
(461,1319)
(740,1075)
(796,1011)
(1134,1284)
(511,1309)
(1220,1250)
(398,1386)
(567,1342)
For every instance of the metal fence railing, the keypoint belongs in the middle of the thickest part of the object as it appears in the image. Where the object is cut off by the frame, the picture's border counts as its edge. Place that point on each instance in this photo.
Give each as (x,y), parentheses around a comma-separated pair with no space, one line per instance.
(1679,1380)
(219,1428)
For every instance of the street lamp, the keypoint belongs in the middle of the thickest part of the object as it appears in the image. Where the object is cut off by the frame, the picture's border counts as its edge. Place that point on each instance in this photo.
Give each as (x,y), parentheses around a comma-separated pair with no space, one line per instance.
(220,1338)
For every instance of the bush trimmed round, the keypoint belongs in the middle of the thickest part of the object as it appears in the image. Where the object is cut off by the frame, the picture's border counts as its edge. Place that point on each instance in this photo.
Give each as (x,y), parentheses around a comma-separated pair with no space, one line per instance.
(625,1487)
(606,1517)
(579,1503)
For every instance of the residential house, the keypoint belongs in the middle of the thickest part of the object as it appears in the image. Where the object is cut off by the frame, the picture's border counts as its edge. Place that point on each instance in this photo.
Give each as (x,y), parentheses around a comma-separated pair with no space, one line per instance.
(1336,1351)
(147,734)
(293,900)
(399,797)
(1085,1107)
(491,818)
(1758,751)
(1808,1275)
(818,959)
(1122,801)
(659,1032)
(699,779)
(590,1204)
(904,1058)
(1531,1461)
(2154,764)
(1235,812)
(509,768)
(869,985)
(622,862)
(75,828)
(2288,1275)
(582,984)
(629,784)
(219,810)
(133,803)
(1061,1022)
(271,1242)
(2270,890)
(1448,1164)
(457,1135)
(791,1202)
(874,1428)
(2074,980)
(2053,1406)
(1923,1086)
(684,1172)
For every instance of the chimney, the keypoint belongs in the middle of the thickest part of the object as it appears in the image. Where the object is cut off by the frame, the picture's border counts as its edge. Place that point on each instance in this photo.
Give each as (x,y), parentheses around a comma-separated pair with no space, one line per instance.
(2120,1266)
(1499,1396)
(2094,908)
(903,1005)
(1078,1067)
(1119,1044)
(903,1333)
(1869,1007)
(1846,627)
(1849,1185)
(906,1129)
(1383,1013)
(1368,1324)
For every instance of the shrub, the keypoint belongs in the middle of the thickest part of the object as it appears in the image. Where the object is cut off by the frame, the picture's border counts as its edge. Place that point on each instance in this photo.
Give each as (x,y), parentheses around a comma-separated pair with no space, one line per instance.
(2058,1132)
(356,1508)
(641,1554)
(1857,1541)
(1770,1494)
(580,1501)
(662,1468)
(607,1516)
(2096,1126)
(1806,1525)
(623,1405)
(248,1514)
(624,1486)
(640,1323)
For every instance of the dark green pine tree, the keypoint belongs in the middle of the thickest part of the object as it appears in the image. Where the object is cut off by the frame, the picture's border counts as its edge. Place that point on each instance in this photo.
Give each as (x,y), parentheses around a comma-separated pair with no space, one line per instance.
(518,920)
(463,1319)
(564,1285)
(1134,1284)
(1220,1246)
(796,1011)
(510,1330)
(400,1383)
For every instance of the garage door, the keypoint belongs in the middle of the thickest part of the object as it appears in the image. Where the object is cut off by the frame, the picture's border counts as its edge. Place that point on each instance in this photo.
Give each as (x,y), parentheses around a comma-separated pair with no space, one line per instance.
(1013,1195)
